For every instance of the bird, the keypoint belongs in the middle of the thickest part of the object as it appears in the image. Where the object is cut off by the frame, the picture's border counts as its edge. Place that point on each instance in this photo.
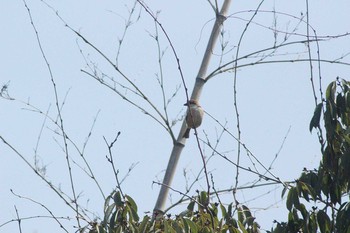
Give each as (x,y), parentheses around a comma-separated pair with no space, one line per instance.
(194,116)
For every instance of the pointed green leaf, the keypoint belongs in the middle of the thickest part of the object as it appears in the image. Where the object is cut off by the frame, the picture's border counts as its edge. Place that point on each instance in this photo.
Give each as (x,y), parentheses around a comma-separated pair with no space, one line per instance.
(229,209)
(177,227)
(108,212)
(242,227)
(330,92)
(315,120)
(312,226)
(284,191)
(186,227)
(131,202)
(112,222)
(323,222)
(223,211)
(204,200)
(132,213)
(289,202)
(190,206)
(106,204)
(192,226)
(166,227)
(118,200)
(144,224)
(246,211)
(347,99)
(240,214)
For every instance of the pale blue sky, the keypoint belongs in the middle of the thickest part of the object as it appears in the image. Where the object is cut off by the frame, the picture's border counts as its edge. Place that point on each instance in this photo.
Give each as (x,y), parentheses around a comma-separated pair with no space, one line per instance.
(272,99)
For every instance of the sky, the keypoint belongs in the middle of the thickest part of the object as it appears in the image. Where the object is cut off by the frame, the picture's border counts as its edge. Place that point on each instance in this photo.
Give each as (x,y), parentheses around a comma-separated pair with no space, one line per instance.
(275,100)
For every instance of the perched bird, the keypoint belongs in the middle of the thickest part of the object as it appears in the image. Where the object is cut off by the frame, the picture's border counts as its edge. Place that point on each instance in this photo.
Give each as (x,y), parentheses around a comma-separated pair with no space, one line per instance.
(194,116)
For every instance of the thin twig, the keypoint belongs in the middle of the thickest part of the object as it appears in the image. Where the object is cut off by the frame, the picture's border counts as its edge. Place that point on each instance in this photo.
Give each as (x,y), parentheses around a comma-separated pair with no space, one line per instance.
(58,112)
(56,190)
(309,51)
(18,220)
(40,204)
(110,159)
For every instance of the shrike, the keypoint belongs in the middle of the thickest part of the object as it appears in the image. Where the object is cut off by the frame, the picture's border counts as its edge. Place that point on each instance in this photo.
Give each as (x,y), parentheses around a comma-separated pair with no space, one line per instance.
(194,116)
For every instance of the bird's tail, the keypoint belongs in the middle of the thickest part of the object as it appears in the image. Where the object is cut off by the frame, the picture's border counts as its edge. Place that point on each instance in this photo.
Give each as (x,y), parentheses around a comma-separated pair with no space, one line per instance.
(187,133)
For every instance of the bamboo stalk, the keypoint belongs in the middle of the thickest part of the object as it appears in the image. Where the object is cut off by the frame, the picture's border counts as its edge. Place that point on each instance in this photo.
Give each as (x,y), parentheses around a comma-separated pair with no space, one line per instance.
(196,92)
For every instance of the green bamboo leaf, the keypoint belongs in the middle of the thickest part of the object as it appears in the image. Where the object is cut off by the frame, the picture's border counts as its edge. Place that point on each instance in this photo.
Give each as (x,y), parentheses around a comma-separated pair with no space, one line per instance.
(306,190)
(132,213)
(330,92)
(131,202)
(312,225)
(303,211)
(289,202)
(214,209)
(323,222)
(190,206)
(177,227)
(144,224)
(315,120)
(240,215)
(166,227)
(206,230)
(246,211)
(204,200)
(347,99)
(192,226)
(119,229)
(249,221)
(106,204)
(284,191)
(223,211)
(108,212)
(112,222)
(118,200)
(135,215)
(186,227)
(241,226)
(340,104)
(229,209)
(335,193)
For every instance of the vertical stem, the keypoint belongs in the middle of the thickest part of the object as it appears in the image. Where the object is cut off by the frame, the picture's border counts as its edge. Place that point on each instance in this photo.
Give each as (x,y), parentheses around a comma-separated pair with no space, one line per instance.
(196,92)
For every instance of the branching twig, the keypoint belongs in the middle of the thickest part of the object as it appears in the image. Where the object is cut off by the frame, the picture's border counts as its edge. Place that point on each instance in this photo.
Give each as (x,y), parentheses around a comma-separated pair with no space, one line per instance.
(181,193)
(235,94)
(58,112)
(128,23)
(110,159)
(32,217)
(244,146)
(221,69)
(309,51)
(40,204)
(119,71)
(170,43)
(56,190)
(161,81)
(18,220)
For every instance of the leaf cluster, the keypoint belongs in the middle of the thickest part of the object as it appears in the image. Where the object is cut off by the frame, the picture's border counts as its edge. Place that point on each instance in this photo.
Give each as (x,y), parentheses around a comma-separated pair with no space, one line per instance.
(326,189)
(200,216)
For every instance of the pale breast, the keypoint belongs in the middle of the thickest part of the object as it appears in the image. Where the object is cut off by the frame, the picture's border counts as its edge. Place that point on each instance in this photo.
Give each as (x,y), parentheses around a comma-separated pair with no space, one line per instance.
(197,115)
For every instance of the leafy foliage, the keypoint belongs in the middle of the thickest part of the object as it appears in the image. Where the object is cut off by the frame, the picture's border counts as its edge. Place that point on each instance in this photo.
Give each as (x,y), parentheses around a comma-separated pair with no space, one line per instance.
(325,188)
(200,216)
